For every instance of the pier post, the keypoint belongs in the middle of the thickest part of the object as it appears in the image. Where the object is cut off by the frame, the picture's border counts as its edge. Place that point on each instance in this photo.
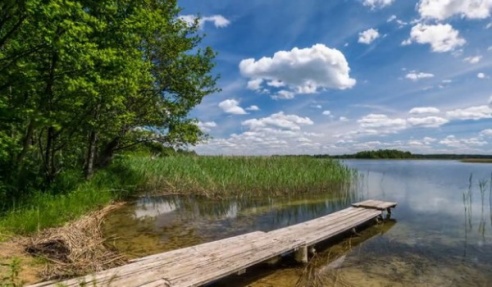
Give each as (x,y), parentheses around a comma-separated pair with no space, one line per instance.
(301,254)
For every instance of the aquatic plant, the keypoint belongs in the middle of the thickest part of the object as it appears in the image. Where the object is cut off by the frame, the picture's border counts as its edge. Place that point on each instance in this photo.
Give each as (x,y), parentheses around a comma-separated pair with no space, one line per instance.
(223,176)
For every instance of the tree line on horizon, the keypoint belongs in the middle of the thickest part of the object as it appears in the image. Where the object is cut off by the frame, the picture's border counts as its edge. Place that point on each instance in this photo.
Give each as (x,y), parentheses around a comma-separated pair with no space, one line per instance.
(398,154)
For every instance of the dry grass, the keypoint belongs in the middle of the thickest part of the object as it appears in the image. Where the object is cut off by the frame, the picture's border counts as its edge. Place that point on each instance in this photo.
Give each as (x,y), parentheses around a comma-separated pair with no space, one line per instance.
(75,249)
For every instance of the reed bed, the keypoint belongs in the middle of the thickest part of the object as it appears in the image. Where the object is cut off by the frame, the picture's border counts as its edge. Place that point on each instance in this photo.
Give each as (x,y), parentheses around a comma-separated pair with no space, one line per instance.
(219,176)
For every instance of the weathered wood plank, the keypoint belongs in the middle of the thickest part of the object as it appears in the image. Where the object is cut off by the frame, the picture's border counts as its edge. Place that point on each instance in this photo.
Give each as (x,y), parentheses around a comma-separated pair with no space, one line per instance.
(205,263)
(376,204)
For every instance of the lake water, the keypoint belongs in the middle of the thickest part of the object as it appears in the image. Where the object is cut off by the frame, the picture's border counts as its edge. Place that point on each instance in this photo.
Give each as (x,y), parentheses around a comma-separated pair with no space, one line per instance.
(440,234)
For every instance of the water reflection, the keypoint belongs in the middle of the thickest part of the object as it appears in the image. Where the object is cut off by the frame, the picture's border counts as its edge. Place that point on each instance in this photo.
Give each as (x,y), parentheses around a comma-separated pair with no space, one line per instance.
(160,223)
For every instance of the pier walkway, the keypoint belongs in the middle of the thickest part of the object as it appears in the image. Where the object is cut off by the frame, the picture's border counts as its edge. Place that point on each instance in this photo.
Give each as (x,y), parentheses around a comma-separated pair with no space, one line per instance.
(207,262)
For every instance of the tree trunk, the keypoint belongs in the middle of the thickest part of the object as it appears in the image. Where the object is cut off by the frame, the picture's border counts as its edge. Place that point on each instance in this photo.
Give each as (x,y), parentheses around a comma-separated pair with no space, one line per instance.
(26,143)
(91,155)
(49,168)
(107,154)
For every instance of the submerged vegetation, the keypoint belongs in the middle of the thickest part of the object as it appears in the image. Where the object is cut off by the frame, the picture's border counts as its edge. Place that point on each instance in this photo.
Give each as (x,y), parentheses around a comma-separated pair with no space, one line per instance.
(211,176)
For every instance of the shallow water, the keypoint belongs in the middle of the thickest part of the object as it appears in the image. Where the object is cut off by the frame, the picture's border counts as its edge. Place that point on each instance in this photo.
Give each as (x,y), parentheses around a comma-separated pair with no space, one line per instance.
(440,233)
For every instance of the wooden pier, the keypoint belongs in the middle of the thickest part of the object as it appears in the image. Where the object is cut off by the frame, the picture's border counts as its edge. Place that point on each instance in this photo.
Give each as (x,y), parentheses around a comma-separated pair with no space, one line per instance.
(208,262)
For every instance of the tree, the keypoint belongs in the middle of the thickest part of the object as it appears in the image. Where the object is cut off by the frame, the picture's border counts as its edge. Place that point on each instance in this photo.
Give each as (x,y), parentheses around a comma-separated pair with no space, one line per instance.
(83,79)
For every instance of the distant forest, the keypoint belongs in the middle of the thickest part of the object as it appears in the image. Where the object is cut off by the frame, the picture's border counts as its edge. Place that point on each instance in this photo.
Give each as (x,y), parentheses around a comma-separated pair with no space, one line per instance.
(398,154)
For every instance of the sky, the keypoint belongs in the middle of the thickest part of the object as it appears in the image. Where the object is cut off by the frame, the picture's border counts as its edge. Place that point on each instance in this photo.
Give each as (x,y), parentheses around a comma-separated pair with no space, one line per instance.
(336,77)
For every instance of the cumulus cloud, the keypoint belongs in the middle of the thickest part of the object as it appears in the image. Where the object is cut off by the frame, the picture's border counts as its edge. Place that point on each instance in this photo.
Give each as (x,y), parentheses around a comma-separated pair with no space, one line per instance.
(231,106)
(472,60)
(441,37)
(443,9)
(206,126)
(424,110)
(326,113)
(382,123)
(427,122)
(486,133)
(253,108)
(481,76)
(414,76)
(284,95)
(298,71)
(377,3)
(368,36)
(453,141)
(391,18)
(471,113)
(278,120)
(219,21)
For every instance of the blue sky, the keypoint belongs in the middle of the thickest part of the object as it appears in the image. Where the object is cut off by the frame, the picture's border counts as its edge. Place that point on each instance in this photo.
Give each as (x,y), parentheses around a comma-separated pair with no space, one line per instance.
(334,77)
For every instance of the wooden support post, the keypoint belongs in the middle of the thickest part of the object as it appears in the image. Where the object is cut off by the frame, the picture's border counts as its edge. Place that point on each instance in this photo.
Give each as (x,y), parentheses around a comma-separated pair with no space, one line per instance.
(301,254)
(241,272)
(388,210)
(274,260)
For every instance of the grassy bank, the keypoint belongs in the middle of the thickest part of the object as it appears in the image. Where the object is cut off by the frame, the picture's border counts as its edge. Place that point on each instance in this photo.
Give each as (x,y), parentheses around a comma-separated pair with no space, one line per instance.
(202,175)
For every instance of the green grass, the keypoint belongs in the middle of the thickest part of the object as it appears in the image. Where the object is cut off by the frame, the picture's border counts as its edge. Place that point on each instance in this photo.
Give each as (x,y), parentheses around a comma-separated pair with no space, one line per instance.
(212,176)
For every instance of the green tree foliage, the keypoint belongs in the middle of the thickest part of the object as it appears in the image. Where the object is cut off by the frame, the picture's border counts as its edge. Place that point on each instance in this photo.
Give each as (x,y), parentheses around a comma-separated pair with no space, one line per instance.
(383,154)
(81,80)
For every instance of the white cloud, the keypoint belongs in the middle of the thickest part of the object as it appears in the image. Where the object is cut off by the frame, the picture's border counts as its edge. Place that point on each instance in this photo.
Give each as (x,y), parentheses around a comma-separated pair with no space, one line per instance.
(368,36)
(219,21)
(253,108)
(486,133)
(424,110)
(278,120)
(343,119)
(254,84)
(326,113)
(206,126)
(481,76)
(301,71)
(452,141)
(441,37)
(471,113)
(391,18)
(231,106)
(443,9)
(382,122)
(472,60)
(284,95)
(377,3)
(414,76)
(427,122)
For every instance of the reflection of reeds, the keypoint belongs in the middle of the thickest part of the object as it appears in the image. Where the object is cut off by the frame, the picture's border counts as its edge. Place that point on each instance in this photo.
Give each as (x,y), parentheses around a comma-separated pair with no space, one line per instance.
(482,184)
(467,203)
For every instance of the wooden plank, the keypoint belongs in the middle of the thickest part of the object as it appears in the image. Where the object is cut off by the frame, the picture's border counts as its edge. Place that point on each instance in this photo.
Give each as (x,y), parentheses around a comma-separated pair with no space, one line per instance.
(156,261)
(207,262)
(322,231)
(376,204)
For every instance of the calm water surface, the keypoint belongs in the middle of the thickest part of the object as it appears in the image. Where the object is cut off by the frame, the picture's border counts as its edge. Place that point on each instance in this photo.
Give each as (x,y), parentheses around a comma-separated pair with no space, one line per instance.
(439,235)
